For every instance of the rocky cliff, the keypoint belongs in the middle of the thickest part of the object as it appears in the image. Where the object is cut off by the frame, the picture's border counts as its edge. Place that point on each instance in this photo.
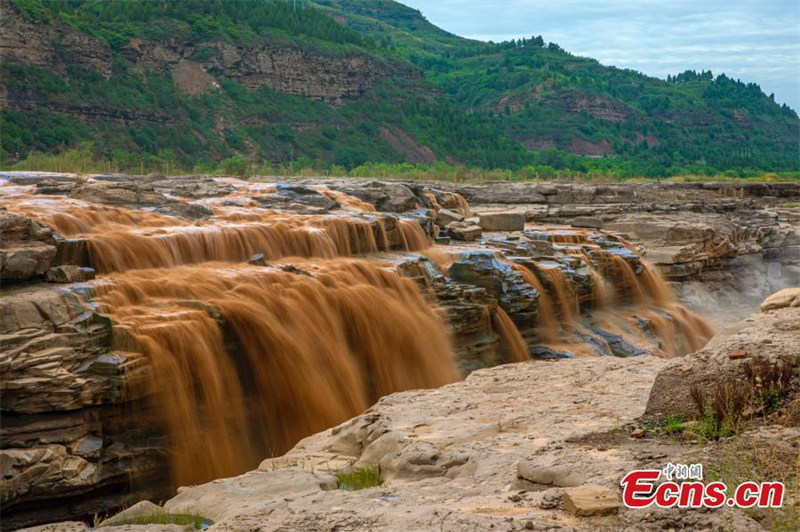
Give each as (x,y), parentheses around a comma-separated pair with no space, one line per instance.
(726,246)
(195,66)
(84,432)
(531,446)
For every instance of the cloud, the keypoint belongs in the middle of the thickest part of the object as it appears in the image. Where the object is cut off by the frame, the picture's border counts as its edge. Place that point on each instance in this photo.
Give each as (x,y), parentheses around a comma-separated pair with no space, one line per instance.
(754,40)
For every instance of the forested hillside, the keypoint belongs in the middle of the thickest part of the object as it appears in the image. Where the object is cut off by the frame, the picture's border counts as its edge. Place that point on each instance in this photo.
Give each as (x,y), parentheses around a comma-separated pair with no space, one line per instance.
(196,83)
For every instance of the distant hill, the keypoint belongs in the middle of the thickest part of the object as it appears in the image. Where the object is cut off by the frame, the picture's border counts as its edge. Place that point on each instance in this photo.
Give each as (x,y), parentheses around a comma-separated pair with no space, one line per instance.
(345,82)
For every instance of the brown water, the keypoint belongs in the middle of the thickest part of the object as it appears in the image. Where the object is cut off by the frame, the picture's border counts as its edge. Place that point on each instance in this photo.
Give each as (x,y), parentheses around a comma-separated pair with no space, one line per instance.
(511,340)
(243,361)
(620,298)
(304,353)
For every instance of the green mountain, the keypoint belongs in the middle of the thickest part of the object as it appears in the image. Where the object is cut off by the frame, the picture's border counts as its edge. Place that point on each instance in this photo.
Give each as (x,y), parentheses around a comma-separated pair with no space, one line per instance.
(349,82)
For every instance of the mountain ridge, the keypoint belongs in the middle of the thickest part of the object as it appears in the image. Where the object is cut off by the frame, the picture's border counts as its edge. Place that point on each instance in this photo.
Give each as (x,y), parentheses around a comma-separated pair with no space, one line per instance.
(346,82)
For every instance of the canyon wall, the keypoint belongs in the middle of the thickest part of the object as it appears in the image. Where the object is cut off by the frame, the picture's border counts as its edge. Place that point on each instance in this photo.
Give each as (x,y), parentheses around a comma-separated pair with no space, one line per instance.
(194,65)
(725,246)
(125,294)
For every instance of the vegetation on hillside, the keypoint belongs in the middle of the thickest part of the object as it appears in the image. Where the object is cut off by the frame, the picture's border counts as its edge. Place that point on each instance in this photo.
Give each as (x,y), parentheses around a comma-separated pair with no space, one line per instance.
(523,105)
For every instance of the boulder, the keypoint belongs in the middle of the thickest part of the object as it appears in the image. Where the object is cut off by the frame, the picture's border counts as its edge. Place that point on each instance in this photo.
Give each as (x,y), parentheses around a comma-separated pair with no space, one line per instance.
(788,297)
(27,248)
(770,341)
(590,499)
(503,221)
(464,231)
(591,222)
(69,273)
(549,472)
(446,216)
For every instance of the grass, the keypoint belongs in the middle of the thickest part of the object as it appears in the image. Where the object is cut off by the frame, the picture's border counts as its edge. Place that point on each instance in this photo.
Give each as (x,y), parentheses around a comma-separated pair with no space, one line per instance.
(754,459)
(674,424)
(165,518)
(726,407)
(83,160)
(359,479)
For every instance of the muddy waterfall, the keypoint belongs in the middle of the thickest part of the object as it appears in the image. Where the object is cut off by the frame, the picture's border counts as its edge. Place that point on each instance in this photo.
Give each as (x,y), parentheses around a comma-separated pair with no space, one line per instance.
(205,324)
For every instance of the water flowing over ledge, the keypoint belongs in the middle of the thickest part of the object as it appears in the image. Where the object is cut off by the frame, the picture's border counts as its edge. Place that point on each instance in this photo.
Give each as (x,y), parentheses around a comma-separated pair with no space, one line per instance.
(229,319)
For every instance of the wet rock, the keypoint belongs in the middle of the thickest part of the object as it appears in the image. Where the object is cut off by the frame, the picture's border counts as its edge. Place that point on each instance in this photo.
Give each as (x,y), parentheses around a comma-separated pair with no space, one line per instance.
(502,221)
(61,377)
(54,187)
(550,472)
(257,260)
(69,274)
(545,353)
(87,447)
(386,197)
(590,499)
(469,310)
(683,246)
(186,210)
(27,248)
(484,269)
(619,347)
(464,231)
(446,216)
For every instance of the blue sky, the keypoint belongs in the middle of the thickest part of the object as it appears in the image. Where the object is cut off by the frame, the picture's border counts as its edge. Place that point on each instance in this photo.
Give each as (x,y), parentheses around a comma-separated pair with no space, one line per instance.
(752,40)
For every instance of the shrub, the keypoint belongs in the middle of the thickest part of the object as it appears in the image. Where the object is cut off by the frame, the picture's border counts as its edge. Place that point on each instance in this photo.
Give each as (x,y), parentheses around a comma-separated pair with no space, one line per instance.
(721,409)
(236,165)
(674,424)
(359,479)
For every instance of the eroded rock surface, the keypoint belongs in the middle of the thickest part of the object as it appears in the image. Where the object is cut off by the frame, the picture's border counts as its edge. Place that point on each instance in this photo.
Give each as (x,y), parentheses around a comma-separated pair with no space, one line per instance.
(449,457)
(71,447)
(764,346)
(28,247)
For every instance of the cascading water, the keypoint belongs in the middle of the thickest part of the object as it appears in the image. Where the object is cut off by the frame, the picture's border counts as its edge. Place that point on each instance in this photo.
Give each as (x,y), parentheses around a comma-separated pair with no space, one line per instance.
(309,351)
(245,360)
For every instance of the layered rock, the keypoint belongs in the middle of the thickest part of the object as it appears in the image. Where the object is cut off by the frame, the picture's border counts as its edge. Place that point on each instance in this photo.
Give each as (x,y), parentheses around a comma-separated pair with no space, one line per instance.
(49,43)
(64,440)
(545,292)
(28,247)
(759,352)
(334,77)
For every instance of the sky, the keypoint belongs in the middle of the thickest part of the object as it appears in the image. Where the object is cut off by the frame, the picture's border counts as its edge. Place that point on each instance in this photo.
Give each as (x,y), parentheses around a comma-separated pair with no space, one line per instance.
(752,40)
